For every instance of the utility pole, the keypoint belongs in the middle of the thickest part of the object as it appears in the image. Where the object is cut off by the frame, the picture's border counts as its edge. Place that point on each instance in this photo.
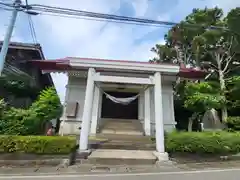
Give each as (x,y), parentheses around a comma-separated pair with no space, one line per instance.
(8,35)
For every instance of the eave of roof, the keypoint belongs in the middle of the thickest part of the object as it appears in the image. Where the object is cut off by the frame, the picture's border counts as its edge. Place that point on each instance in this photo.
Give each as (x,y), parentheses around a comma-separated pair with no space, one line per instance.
(21,45)
(64,65)
(29,46)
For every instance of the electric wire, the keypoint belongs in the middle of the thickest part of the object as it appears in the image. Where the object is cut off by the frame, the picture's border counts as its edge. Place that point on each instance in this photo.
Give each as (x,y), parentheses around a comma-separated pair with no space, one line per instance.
(31,26)
(6,9)
(110,17)
(102,20)
(73,12)
(32,30)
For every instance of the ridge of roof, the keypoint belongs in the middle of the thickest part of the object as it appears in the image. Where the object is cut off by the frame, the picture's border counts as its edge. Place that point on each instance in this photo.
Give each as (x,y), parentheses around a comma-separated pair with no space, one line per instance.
(120,60)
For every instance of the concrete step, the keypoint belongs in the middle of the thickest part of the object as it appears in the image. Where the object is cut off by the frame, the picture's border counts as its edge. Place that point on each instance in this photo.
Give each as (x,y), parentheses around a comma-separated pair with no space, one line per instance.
(119,126)
(121,132)
(119,120)
(124,141)
(116,157)
(124,137)
(122,127)
(122,122)
(126,146)
(116,126)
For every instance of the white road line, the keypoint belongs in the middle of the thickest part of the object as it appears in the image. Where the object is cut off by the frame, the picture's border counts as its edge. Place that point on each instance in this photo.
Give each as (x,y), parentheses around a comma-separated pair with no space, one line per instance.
(114,175)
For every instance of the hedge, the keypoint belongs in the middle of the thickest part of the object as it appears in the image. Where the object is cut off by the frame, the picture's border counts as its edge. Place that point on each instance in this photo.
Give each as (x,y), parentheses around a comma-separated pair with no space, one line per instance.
(37,144)
(220,142)
(233,123)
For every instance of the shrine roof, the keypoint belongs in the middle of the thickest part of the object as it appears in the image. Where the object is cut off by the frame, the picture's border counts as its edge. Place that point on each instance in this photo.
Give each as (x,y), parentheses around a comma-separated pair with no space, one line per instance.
(71,64)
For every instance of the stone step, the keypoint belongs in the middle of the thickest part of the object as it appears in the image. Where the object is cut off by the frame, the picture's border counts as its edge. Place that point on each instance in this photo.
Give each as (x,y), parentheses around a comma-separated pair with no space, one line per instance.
(122,127)
(122,122)
(116,157)
(124,137)
(114,125)
(126,146)
(121,132)
(119,120)
(124,141)
(129,127)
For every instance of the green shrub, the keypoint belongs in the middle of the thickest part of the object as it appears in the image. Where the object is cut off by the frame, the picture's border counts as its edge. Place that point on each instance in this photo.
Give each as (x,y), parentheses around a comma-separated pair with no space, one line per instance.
(19,122)
(32,121)
(47,106)
(233,123)
(2,107)
(203,142)
(37,144)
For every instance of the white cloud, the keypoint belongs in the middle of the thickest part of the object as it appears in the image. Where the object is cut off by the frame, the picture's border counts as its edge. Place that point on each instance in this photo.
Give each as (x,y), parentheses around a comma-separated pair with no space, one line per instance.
(94,39)
(182,9)
(62,37)
(4,25)
(227,5)
(140,7)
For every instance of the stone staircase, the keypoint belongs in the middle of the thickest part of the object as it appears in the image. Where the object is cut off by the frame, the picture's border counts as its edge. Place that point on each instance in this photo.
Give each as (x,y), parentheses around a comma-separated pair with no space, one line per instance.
(121,126)
(122,157)
(123,149)
(124,143)
(124,134)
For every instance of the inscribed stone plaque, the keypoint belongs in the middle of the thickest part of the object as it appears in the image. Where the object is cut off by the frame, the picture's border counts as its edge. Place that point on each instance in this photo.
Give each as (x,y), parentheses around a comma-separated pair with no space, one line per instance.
(71,109)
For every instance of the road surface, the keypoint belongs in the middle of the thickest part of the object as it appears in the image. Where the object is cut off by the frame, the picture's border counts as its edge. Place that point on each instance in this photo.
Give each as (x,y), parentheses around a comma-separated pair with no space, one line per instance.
(223,174)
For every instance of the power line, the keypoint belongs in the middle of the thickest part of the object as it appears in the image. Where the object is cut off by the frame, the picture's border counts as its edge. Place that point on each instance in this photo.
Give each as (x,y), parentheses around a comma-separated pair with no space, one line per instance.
(6,9)
(31,26)
(32,29)
(103,20)
(41,9)
(66,11)
(95,19)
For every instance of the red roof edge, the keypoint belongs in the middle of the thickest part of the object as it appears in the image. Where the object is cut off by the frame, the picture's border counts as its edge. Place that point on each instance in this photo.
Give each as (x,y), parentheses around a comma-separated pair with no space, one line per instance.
(52,65)
(64,65)
(192,73)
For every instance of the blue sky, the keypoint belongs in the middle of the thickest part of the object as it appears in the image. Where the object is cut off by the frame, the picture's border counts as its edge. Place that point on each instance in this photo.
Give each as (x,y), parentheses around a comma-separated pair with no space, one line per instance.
(61,37)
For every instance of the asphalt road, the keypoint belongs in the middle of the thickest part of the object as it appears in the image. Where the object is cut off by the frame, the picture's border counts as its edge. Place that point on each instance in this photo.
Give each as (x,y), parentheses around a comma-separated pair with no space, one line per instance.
(224,174)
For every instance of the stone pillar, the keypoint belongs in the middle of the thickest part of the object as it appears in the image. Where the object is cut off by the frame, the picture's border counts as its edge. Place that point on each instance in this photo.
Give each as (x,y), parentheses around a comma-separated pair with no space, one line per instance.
(147,113)
(87,111)
(95,113)
(100,110)
(66,99)
(158,102)
(141,107)
(63,117)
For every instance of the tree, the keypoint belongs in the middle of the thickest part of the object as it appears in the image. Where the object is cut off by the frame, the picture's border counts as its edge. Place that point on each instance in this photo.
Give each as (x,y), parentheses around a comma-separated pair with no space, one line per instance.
(232,20)
(182,42)
(2,107)
(164,53)
(233,95)
(200,97)
(199,45)
(48,105)
(219,58)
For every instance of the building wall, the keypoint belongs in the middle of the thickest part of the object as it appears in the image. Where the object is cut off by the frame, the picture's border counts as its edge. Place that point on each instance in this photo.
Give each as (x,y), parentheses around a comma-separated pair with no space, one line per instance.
(168,109)
(75,92)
